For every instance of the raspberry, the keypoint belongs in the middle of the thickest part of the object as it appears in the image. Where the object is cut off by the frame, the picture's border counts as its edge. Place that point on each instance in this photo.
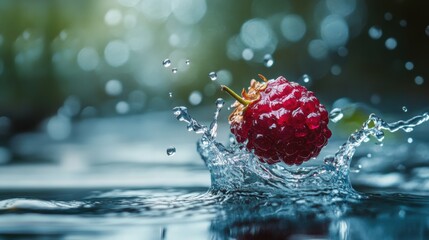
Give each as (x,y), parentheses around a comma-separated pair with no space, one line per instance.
(280,121)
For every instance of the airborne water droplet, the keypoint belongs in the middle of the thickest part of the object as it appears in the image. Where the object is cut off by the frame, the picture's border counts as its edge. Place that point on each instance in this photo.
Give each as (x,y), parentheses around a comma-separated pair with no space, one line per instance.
(408,129)
(213,76)
(379,135)
(419,80)
(409,65)
(404,109)
(268,60)
(391,43)
(171,151)
(305,78)
(188,61)
(388,16)
(170,94)
(375,32)
(410,140)
(220,102)
(336,115)
(166,63)
(174,70)
(195,98)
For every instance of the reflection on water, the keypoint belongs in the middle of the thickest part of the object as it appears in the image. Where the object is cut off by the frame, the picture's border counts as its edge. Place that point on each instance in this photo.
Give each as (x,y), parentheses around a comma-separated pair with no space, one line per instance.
(174,213)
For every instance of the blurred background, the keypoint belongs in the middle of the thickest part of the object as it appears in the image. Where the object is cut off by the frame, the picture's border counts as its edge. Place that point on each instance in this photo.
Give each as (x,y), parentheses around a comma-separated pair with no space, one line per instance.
(75,75)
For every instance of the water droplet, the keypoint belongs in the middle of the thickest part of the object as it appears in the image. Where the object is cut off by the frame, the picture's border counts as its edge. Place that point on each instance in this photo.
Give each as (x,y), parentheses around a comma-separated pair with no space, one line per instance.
(195,97)
(219,102)
(403,23)
(188,61)
(166,63)
(268,60)
(391,43)
(419,80)
(427,30)
(59,127)
(335,70)
(404,109)
(329,160)
(174,70)
(318,49)
(336,115)
(401,213)
(122,107)
(87,59)
(369,155)
(171,151)
(116,53)
(409,65)
(388,16)
(375,32)
(113,87)
(305,78)
(409,129)
(247,54)
(213,76)
(410,140)
(379,135)
(189,127)
(356,169)
(170,94)
(113,17)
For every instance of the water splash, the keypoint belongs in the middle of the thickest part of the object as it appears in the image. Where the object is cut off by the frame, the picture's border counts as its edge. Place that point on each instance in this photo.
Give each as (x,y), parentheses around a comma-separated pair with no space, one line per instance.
(234,169)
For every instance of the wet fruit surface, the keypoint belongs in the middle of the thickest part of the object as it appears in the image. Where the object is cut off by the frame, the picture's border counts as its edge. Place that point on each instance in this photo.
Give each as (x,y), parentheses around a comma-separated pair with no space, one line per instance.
(282,121)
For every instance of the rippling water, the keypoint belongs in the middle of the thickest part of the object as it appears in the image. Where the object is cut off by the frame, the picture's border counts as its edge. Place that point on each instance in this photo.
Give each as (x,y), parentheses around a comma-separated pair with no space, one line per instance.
(170,197)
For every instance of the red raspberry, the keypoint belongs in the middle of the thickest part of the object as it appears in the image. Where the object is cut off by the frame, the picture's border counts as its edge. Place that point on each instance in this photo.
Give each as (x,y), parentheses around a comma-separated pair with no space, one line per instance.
(280,120)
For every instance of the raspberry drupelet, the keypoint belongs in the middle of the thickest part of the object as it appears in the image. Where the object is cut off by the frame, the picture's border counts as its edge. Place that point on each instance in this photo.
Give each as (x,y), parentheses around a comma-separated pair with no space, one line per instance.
(280,121)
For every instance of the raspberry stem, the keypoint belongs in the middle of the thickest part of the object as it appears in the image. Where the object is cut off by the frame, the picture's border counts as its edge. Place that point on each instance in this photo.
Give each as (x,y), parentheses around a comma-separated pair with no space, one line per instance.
(263,77)
(235,95)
